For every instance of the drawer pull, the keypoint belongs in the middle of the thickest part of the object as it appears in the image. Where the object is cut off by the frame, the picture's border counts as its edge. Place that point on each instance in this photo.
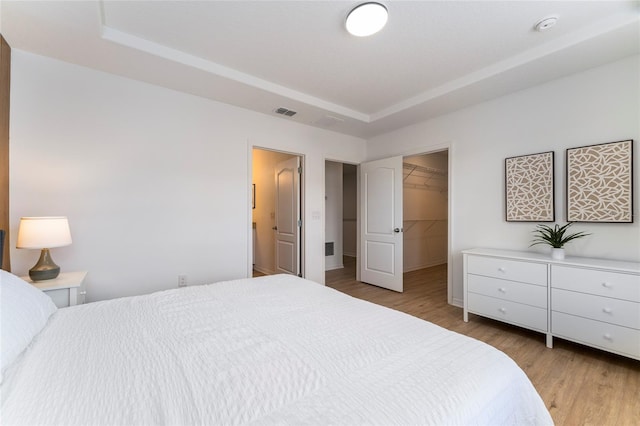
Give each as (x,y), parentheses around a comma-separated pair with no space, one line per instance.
(83,293)
(503,310)
(606,285)
(502,290)
(607,310)
(608,337)
(502,269)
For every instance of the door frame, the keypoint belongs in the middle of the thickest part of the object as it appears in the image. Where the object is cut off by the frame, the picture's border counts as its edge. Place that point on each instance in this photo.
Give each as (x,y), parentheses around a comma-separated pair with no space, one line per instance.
(324,212)
(249,210)
(447,146)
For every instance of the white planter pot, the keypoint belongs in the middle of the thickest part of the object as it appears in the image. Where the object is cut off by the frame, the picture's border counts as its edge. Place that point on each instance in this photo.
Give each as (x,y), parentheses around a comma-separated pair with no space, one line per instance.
(557,253)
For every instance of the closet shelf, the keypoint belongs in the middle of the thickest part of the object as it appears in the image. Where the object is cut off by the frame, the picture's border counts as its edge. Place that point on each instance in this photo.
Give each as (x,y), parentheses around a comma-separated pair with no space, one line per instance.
(410,223)
(433,179)
(423,169)
(424,186)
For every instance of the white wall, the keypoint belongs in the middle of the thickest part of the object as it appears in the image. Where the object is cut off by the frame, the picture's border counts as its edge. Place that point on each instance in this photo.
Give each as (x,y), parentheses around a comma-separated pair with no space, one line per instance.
(333,213)
(155,182)
(596,106)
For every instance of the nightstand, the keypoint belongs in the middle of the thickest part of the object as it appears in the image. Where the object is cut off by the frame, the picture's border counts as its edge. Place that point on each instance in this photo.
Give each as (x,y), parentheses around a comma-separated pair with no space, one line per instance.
(68,289)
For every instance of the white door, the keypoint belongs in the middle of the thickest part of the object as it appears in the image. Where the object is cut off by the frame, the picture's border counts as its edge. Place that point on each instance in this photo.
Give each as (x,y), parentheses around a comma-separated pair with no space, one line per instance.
(381,223)
(288,217)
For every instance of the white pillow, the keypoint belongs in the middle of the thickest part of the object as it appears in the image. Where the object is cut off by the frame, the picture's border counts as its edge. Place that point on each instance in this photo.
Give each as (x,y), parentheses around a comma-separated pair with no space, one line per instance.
(24,311)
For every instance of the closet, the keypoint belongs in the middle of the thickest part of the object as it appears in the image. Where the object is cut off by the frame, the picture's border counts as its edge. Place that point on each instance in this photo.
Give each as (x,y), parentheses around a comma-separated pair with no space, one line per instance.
(425,195)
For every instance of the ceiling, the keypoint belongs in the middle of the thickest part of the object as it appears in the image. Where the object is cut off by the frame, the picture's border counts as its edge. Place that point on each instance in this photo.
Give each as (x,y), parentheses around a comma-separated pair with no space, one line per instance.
(433,57)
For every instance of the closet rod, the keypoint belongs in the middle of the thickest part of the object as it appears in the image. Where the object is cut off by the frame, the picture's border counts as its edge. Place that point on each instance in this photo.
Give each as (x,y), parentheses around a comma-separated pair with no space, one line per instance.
(425,187)
(423,169)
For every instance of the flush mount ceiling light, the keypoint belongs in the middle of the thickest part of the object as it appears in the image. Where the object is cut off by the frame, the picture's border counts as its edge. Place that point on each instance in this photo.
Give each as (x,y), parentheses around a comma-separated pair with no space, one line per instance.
(367,19)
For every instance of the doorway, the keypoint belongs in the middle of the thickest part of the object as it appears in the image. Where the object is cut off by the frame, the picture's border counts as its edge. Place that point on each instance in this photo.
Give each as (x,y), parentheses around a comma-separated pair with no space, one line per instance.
(276,212)
(341,219)
(425,210)
(404,218)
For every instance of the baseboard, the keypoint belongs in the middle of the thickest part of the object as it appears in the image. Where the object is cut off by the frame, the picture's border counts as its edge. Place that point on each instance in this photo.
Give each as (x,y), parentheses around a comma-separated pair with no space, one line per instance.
(263,270)
(458,302)
(331,268)
(426,265)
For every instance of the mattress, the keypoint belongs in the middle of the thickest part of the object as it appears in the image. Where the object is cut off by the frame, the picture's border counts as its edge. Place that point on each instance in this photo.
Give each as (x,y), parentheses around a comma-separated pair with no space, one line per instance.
(270,350)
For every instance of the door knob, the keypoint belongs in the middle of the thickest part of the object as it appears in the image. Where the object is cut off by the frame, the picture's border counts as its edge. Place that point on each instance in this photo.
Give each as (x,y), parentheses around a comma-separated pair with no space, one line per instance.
(397,230)
(275,228)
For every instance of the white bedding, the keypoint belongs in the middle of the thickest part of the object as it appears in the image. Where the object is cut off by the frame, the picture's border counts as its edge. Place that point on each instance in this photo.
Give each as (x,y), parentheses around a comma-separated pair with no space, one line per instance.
(268,350)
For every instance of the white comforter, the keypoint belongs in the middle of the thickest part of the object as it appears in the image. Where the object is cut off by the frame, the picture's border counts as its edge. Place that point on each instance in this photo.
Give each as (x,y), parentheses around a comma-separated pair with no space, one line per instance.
(268,350)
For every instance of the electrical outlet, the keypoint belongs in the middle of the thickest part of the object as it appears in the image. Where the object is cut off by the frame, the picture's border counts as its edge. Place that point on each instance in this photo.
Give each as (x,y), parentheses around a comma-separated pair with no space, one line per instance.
(182,280)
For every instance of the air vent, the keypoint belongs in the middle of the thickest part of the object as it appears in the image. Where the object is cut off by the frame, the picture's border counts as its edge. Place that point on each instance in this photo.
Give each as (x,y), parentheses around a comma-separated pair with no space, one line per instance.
(284,111)
(328,249)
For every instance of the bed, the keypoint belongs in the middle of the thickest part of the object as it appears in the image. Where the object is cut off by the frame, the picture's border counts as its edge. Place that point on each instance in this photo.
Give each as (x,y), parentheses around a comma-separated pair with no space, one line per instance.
(269,350)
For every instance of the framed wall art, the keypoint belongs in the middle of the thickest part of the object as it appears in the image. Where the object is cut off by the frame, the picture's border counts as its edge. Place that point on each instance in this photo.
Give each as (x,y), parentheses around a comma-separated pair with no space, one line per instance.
(529,193)
(600,183)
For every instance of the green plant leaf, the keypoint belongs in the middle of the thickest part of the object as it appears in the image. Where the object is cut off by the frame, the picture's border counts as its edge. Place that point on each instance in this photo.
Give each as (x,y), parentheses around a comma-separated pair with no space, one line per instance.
(556,237)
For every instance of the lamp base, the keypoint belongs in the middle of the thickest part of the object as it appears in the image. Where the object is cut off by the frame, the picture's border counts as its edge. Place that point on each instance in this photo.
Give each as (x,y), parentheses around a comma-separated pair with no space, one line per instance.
(45,269)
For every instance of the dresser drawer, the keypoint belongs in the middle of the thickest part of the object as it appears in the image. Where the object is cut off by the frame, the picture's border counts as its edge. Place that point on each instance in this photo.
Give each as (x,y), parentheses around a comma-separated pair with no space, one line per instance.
(614,338)
(614,311)
(529,294)
(61,297)
(507,311)
(513,270)
(602,283)
(81,294)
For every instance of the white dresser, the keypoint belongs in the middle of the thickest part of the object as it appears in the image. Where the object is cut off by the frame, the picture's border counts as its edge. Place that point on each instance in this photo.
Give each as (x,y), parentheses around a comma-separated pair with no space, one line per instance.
(595,302)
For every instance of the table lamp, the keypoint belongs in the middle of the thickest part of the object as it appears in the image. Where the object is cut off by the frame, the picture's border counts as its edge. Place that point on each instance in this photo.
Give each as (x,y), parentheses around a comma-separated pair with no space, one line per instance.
(43,233)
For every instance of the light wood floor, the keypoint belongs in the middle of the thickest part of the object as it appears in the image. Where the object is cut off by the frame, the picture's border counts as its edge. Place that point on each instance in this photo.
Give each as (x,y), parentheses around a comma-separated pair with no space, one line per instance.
(579,385)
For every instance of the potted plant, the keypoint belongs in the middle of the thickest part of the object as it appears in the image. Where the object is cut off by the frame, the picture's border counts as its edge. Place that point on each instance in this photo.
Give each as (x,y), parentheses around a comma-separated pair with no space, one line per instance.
(556,237)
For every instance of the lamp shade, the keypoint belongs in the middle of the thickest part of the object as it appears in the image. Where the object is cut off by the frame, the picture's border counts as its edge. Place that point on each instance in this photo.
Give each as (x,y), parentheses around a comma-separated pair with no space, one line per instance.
(43,232)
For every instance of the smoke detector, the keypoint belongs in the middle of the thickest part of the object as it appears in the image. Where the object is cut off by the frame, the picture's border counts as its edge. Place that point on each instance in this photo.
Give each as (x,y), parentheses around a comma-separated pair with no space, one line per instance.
(545,23)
